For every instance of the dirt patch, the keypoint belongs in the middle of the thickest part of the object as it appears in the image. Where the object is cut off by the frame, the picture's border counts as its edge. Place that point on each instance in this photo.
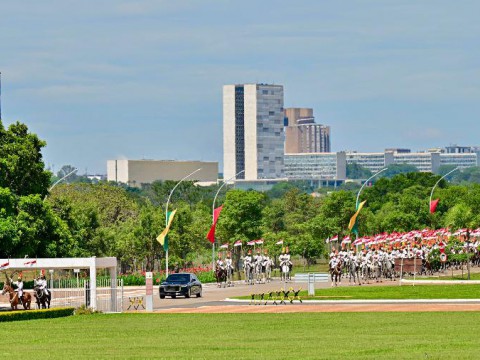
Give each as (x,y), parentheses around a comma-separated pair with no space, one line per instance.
(225,309)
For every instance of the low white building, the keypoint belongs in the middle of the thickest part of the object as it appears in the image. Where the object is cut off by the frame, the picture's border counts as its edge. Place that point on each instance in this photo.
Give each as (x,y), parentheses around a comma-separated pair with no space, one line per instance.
(138,172)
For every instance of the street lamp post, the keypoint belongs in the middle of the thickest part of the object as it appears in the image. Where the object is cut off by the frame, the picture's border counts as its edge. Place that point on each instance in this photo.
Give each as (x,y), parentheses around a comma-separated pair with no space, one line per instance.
(166,213)
(359,191)
(60,180)
(366,182)
(213,212)
(434,186)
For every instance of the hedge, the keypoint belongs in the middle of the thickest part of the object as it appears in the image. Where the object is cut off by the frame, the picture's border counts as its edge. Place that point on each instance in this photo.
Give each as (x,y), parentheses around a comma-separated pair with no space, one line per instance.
(36,314)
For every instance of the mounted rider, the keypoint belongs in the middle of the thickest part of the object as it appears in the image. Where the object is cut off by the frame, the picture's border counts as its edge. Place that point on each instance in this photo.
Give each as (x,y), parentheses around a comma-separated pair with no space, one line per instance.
(42,283)
(285,258)
(334,260)
(220,264)
(229,262)
(266,259)
(19,287)
(258,258)
(247,259)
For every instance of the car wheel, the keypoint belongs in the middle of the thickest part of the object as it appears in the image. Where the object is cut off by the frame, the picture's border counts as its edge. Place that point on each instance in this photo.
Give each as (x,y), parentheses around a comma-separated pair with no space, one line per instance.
(162,296)
(189,293)
(174,296)
(199,294)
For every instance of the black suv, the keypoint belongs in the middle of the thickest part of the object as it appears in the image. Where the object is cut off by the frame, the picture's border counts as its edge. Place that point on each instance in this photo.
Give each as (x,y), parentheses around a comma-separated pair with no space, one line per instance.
(183,284)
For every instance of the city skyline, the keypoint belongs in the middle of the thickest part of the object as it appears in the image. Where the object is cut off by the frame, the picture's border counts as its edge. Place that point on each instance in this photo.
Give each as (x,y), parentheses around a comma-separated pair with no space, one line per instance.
(144,79)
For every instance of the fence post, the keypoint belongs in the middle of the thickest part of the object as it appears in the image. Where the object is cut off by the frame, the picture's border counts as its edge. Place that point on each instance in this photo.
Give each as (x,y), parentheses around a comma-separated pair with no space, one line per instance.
(311,284)
(87,293)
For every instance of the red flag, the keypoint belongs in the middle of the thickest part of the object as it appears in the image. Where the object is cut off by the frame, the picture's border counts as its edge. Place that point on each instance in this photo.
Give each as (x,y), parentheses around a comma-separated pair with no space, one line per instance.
(433,205)
(211,232)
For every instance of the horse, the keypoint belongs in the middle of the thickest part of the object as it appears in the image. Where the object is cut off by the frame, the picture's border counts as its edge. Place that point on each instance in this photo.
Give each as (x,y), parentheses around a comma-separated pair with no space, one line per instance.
(285,271)
(268,270)
(353,270)
(14,300)
(365,269)
(248,270)
(388,269)
(259,278)
(42,300)
(221,275)
(336,273)
(229,276)
(376,270)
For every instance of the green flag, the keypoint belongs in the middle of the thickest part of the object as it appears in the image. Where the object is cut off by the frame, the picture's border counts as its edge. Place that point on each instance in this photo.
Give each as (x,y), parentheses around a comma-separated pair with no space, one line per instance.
(163,237)
(353,226)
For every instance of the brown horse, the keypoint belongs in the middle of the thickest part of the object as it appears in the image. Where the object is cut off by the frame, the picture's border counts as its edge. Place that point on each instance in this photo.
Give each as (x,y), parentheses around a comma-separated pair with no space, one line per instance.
(336,273)
(14,300)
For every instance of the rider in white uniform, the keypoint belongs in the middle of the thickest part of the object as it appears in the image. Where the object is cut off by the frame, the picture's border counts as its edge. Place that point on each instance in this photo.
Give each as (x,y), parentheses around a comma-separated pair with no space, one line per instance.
(220,263)
(19,288)
(247,258)
(42,283)
(229,262)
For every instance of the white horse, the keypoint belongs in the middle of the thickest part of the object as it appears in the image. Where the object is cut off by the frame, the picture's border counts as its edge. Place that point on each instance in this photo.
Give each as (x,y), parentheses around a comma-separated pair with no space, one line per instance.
(248,270)
(229,276)
(268,270)
(285,271)
(259,275)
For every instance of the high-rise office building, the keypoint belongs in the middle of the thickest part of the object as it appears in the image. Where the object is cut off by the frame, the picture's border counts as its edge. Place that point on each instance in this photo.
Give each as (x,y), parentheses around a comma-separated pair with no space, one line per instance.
(253,131)
(303,135)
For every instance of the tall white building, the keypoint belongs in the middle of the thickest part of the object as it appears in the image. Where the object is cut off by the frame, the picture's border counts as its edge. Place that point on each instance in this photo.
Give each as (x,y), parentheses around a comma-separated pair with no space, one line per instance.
(253,134)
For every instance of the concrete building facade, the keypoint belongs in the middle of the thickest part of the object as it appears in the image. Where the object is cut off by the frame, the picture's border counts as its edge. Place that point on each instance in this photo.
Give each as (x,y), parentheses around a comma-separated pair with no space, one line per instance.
(253,134)
(316,166)
(137,172)
(302,134)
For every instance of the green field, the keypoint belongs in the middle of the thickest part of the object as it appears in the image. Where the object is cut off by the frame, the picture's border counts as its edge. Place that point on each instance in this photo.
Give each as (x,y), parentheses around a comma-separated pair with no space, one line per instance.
(391,292)
(247,336)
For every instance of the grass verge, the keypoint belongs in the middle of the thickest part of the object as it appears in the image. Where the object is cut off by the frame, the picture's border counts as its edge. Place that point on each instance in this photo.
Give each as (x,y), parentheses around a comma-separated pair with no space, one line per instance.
(392,292)
(249,336)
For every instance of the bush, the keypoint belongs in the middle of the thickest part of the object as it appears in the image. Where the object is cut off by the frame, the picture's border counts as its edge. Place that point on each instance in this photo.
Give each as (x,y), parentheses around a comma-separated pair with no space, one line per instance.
(36,314)
(83,310)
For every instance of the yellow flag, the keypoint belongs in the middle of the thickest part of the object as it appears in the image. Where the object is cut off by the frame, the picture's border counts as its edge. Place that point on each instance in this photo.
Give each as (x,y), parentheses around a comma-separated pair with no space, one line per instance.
(354,217)
(161,237)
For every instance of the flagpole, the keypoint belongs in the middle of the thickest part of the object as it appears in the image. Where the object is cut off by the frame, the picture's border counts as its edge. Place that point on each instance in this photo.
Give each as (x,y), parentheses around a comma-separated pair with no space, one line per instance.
(434,186)
(166,214)
(213,212)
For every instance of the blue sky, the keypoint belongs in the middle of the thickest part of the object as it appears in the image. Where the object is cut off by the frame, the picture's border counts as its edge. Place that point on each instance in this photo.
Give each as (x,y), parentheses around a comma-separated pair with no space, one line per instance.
(111,79)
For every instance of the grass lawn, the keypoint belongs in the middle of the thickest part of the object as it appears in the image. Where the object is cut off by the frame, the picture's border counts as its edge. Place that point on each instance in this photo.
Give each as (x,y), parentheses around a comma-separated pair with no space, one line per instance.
(247,336)
(448,276)
(391,292)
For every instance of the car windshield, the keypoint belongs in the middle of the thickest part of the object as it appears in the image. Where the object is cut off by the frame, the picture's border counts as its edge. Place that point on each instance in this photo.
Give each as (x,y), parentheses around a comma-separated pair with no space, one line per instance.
(181,278)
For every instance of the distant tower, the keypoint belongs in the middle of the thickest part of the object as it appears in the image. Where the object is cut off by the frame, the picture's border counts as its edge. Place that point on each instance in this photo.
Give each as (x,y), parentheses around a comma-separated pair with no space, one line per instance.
(253,137)
(303,135)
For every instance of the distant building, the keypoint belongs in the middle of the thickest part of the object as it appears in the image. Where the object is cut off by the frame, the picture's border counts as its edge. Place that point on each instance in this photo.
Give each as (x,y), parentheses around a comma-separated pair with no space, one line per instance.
(316,166)
(303,135)
(371,161)
(398,150)
(423,161)
(462,160)
(253,135)
(137,172)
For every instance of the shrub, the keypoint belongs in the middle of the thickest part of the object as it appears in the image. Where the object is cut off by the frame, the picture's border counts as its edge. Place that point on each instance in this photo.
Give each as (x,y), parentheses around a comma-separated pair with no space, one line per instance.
(83,310)
(36,314)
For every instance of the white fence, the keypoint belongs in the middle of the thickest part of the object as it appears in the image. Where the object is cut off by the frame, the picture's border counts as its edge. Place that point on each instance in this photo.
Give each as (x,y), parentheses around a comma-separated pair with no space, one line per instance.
(76,292)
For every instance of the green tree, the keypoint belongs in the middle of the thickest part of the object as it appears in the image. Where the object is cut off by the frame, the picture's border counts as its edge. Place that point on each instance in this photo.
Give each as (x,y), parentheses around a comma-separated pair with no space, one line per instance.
(357,171)
(241,216)
(21,165)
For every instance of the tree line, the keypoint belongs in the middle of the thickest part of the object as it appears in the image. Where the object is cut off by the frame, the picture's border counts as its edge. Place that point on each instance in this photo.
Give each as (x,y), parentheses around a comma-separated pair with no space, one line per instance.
(107,219)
